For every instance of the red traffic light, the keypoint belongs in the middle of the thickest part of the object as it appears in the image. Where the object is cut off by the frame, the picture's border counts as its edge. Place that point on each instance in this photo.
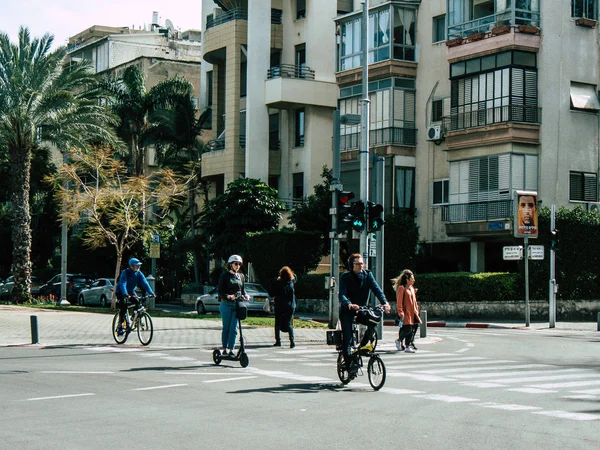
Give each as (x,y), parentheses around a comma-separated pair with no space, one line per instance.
(345,197)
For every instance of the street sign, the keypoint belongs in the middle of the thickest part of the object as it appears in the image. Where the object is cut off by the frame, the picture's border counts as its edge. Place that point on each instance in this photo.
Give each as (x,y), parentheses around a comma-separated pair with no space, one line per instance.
(156,238)
(154,250)
(536,251)
(514,252)
(372,245)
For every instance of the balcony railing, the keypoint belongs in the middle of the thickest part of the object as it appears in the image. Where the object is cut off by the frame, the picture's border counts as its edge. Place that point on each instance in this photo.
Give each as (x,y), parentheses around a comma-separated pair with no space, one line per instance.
(239,14)
(489,116)
(291,71)
(383,136)
(290,203)
(511,16)
(477,212)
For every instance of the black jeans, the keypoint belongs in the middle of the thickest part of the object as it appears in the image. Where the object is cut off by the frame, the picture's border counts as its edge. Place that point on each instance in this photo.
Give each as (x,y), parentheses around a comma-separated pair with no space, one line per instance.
(407,333)
(347,319)
(284,316)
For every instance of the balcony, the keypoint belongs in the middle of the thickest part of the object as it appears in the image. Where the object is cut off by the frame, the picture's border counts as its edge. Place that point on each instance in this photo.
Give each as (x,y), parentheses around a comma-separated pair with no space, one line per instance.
(510,123)
(381,137)
(480,218)
(510,16)
(219,19)
(289,85)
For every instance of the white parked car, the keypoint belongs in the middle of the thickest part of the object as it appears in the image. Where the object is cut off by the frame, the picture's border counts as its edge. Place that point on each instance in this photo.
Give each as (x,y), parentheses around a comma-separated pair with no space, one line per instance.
(100,292)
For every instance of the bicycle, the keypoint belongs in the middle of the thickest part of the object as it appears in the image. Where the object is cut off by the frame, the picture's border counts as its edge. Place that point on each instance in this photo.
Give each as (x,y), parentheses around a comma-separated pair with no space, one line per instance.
(139,320)
(375,366)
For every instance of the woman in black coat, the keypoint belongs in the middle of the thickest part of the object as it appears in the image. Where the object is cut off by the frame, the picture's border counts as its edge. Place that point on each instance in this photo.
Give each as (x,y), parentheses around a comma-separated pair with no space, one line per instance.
(285,304)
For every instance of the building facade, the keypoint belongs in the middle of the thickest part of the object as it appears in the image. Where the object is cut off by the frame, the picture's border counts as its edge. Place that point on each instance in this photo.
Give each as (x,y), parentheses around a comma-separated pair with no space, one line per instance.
(269,76)
(472,100)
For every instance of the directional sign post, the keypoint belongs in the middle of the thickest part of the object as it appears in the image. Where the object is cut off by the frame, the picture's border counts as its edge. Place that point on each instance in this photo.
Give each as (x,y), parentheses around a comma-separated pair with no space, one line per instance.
(536,252)
(514,252)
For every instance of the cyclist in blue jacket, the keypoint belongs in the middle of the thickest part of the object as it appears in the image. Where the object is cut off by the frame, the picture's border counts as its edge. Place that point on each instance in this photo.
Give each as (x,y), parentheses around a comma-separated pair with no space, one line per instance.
(129,280)
(355,287)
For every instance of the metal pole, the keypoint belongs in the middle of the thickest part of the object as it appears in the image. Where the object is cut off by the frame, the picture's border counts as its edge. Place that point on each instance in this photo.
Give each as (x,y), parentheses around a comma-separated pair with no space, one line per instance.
(334,303)
(423,315)
(364,148)
(552,290)
(34,329)
(380,199)
(526,255)
(64,244)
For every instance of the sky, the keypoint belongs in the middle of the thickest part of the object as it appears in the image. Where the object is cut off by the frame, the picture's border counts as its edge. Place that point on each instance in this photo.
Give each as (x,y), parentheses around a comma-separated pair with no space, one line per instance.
(65,18)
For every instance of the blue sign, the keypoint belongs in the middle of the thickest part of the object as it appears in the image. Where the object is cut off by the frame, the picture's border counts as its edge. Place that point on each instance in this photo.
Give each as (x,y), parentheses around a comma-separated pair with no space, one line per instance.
(495,226)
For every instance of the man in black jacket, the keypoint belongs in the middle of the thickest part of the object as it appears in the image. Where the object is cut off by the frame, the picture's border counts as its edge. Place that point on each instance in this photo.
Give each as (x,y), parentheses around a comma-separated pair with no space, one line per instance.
(355,287)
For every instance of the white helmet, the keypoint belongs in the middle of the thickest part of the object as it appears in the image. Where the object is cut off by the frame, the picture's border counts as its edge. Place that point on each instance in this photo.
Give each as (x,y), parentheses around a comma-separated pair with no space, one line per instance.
(235,258)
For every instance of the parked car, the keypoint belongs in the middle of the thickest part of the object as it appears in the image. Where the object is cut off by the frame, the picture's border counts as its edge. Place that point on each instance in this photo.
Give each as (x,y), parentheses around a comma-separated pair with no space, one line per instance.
(100,292)
(75,283)
(6,288)
(258,296)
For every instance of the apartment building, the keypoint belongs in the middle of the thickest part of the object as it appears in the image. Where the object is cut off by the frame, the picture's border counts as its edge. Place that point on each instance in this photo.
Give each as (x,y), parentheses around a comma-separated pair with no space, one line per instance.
(269,72)
(470,101)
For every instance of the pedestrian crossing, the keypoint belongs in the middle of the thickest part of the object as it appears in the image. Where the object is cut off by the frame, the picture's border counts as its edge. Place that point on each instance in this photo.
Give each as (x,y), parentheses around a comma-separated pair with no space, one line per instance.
(440,376)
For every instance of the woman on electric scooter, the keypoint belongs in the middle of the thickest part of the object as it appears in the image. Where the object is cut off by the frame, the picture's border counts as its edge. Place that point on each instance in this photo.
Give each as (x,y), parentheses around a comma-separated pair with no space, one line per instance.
(230,284)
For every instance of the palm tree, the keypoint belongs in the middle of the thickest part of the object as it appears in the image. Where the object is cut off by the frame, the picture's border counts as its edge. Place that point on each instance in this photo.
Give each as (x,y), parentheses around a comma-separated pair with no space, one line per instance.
(42,100)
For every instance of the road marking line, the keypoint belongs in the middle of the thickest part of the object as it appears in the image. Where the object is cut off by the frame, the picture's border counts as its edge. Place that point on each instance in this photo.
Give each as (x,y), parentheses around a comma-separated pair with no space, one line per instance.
(582,397)
(229,379)
(566,385)
(400,391)
(178,358)
(426,362)
(283,359)
(482,384)
(419,377)
(515,372)
(75,372)
(114,349)
(463,350)
(569,376)
(447,398)
(316,364)
(531,390)
(588,391)
(187,372)
(58,396)
(166,386)
(463,369)
(569,415)
(153,355)
(506,406)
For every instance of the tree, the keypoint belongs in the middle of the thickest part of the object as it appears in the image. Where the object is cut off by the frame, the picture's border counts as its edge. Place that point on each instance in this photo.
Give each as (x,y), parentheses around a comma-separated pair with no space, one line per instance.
(247,205)
(313,214)
(42,100)
(96,190)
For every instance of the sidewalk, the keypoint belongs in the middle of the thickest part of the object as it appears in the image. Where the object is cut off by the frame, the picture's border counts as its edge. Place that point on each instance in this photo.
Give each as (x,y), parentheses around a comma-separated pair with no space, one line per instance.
(72,328)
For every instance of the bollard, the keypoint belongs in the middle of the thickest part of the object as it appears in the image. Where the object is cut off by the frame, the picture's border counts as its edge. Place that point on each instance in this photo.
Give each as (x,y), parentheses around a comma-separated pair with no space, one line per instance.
(423,315)
(34,329)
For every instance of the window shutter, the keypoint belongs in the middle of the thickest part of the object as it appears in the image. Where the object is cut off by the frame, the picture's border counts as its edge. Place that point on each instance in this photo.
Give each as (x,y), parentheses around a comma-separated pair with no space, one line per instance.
(531,172)
(493,178)
(518,167)
(464,182)
(590,187)
(399,108)
(409,110)
(454,187)
(576,186)
(503,177)
(473,180)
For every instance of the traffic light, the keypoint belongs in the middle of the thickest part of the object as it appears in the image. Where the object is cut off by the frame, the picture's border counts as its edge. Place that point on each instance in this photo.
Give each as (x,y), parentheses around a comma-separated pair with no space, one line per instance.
(375,219)
(554,239)
(343,211)
(357,215)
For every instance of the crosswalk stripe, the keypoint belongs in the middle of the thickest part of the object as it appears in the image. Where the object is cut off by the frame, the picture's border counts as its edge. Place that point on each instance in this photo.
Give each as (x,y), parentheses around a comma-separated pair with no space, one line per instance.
(437,361)
(588,391)
(507,406)
(515,372)
(567,384)
(526,390)
(447,398)
(569,376)
(569,415)
(482,384)
(229,379)
(479,367)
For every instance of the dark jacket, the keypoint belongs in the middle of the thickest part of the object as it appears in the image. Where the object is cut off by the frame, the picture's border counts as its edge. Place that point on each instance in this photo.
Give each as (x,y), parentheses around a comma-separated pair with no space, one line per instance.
(230,284)
(356,288)
(129,280)
(284,294)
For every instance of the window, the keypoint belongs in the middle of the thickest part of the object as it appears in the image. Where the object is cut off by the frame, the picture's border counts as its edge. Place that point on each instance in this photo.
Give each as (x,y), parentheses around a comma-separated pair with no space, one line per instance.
(584,8)
(274,131)
(440,192)
(494,89)
(300,55)
(344,6)
(404,33)
(379,36)
(243,78)
(298,185)
(584,97)
(209,88)
(299,134)
(405,187)
(300,9)
(439,28)
(437,110)
(583,187)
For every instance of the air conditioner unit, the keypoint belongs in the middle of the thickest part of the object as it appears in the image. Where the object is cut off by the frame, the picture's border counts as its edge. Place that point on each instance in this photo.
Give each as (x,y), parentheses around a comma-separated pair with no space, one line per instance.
(593,207)
(434,133)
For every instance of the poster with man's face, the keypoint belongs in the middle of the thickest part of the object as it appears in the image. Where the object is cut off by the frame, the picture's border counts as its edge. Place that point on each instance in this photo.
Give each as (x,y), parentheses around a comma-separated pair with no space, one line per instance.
(525,214)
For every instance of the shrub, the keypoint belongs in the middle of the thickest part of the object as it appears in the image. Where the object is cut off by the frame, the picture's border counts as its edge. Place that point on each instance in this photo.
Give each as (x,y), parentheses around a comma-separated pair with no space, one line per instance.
(467,287)
(311,286)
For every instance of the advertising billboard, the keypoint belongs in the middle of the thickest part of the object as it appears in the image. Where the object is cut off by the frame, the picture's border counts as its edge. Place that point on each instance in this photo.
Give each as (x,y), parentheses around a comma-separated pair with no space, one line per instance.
(525,214)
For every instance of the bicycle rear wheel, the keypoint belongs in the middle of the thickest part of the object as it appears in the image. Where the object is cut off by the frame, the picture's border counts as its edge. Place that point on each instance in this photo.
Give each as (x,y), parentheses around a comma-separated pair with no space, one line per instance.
(343,374)
(145,329)
(119,338)
(376,370)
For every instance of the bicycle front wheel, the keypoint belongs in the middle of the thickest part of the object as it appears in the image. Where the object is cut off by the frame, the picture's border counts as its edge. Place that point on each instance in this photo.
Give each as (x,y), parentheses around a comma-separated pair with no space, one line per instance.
(145,329)
(376,370)
(120,336)
(343,374)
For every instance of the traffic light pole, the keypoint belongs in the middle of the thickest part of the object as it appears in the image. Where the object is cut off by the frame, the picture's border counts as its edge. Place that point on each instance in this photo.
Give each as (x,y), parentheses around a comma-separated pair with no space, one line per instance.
(552,290)
(335,187)
(364,148)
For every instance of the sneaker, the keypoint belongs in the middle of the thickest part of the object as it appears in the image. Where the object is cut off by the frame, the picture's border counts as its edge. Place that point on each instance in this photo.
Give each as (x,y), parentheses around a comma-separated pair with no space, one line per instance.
(120,331)
(414,347)
(277,344)
(231,354)
(368,347)
(409,350)
(398,345)
(292,344)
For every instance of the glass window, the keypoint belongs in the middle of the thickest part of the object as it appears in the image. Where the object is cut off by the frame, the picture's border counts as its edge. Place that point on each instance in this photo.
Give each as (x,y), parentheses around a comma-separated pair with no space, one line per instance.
(440,192)
(351,45)
(584,97)
(404,33)
(524,59)
(584,8)
(437,110)
(300,9)
(583,187)
(405,184)
(298,185)
(439,28)
(299,135)
(209,88)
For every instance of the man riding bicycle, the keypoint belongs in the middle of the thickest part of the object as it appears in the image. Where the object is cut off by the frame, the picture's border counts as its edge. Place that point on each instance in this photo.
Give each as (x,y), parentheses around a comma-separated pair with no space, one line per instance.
(355,286)
(129,279)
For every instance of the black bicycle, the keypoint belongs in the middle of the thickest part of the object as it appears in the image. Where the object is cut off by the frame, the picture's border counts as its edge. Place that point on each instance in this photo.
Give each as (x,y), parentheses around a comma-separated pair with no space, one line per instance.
(136,319)
(375,366)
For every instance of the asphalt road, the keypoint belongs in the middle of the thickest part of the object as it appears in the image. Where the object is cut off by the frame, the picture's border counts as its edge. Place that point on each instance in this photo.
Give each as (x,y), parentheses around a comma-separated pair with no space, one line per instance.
(464,388)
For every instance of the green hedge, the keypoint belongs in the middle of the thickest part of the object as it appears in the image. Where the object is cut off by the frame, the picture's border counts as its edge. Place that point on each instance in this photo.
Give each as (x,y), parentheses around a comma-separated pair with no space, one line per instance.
(467,287)
(311,286)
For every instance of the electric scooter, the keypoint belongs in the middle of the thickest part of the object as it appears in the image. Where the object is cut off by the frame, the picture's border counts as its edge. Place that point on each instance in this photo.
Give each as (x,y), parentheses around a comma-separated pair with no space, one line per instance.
(241,312)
